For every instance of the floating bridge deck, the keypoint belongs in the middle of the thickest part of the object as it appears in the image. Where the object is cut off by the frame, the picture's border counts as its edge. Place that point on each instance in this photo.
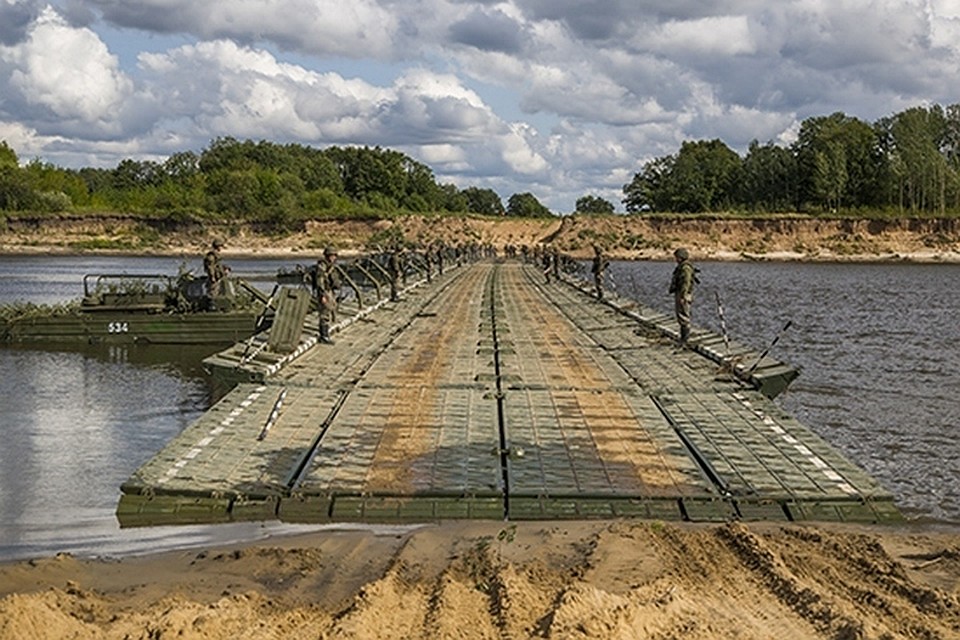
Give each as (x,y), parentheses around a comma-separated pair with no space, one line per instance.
(489,393)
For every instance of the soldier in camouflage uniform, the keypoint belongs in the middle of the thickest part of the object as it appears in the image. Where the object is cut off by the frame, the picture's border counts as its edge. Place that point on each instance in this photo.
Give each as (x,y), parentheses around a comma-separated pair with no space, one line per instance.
(681,286)
(326,284)
(600,264)
(395,270)
(214,269)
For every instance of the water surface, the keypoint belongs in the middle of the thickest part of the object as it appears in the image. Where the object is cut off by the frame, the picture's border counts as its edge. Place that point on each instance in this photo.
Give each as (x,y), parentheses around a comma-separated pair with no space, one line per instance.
(879,346)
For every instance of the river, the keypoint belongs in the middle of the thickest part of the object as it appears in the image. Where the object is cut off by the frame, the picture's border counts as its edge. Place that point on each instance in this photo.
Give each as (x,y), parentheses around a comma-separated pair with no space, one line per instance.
(879,346)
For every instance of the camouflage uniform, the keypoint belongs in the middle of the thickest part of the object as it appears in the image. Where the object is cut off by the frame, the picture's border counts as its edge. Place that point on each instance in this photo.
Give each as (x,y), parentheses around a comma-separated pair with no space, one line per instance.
(546,260)
(326,284)
(395,270)
(681,286)
(214,269)
(600,264)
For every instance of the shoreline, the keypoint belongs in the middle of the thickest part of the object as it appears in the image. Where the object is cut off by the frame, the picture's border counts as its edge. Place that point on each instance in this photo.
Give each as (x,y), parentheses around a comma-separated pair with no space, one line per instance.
(915,257)
(708,238)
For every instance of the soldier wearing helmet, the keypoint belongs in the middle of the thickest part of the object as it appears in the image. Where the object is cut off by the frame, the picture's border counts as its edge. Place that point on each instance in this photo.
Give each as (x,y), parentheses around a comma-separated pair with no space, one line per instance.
(681,286)
(326,284)
(598,268)
(214,269)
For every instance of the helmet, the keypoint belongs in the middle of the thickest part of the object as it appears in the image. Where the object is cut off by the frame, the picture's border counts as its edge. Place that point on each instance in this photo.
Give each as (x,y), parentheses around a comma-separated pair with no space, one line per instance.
(218,244)
(682,253)
(329,251)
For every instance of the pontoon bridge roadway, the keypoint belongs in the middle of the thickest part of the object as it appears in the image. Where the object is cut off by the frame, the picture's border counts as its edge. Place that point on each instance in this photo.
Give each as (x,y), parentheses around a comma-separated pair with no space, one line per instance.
(487,393)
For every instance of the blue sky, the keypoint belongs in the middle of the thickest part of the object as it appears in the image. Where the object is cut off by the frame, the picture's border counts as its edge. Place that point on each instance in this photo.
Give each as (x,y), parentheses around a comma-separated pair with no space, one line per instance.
(559,98)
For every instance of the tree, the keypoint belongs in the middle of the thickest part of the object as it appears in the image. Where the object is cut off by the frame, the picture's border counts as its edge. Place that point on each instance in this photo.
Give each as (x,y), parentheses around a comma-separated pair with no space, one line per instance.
(593,204)
(703,177)
(483,201)
(646,192)
(839,162)
(919,142)
(8,157)
(769,178)
(55,185)
(526,205)
(829,177)
(15,193)
(452,199)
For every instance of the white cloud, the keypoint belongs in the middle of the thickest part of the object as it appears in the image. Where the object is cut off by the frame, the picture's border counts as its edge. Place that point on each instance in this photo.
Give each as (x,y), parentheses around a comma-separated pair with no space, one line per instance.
(359,28)
(517,152)
(68,75)
(710,36)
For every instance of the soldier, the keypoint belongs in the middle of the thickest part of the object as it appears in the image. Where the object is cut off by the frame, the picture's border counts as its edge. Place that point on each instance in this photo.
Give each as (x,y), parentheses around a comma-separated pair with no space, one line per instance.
(441,249)
(681,286)
(214,269)
(428,263)
(395,270)
(600,264)
(326,284)
(545,260)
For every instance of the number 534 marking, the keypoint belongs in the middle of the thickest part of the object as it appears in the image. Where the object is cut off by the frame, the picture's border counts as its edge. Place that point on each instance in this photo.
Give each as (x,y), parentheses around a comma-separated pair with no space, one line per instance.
(118,327)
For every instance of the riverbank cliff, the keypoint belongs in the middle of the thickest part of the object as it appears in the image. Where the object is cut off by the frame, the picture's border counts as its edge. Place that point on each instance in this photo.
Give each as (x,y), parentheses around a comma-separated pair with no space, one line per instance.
(782,238)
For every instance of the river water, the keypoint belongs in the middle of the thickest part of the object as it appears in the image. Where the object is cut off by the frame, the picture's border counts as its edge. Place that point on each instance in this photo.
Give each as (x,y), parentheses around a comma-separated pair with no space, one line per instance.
(879,346)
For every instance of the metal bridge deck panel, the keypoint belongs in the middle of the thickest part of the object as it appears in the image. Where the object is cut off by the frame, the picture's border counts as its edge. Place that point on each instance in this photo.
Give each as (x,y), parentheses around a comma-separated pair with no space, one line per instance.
(418,436)
(760,452)
(650,361)
(409,441)
(662,369)
(239,456)
(592,443)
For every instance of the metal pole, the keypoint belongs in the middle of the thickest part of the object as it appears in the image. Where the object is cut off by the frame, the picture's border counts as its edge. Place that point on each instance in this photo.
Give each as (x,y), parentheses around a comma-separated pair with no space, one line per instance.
(767,350)
(723,324)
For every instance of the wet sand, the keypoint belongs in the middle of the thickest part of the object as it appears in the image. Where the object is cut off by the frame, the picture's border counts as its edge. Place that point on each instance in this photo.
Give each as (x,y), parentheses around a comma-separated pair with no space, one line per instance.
(599,579)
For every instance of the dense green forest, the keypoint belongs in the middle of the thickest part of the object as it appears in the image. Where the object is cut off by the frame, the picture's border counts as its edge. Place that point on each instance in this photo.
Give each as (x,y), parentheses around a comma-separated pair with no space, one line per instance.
(904,164)
(247,180)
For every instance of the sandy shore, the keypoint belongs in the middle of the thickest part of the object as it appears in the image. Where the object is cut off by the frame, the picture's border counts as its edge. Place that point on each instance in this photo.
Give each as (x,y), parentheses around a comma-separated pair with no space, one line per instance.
(784,238)
(610,579)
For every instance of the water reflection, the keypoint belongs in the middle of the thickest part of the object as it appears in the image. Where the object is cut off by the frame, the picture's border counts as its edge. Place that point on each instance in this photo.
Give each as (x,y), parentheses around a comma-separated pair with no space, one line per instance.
(76,423)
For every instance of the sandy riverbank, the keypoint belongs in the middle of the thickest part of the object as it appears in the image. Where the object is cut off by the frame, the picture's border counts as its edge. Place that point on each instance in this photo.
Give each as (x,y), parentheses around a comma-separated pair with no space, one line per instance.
(615,579)
(788,238)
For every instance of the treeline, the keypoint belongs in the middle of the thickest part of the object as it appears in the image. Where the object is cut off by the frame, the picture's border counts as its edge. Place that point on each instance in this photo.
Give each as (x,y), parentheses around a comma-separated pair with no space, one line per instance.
(908,163)
(261,181)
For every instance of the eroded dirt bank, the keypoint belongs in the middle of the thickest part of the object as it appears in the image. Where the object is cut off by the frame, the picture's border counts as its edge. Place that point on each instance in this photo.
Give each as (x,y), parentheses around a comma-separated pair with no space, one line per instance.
(625,237)
(495,580)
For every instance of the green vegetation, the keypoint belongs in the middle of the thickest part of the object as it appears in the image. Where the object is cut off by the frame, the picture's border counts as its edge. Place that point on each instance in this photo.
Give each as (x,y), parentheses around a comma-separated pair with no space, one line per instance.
(593,204)
(279,186)
(525,205)
(905,164)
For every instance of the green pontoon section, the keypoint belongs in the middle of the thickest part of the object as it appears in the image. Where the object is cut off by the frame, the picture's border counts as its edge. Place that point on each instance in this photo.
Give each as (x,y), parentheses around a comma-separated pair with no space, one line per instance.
(417,438)
(488,393)
(771,466)
(235,462)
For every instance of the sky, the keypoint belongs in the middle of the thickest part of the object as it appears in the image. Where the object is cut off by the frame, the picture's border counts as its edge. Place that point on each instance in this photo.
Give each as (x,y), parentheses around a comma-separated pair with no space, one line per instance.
(558,98)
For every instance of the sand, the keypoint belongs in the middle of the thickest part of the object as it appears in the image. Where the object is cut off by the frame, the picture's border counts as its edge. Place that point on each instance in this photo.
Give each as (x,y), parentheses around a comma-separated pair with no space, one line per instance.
(597,579)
